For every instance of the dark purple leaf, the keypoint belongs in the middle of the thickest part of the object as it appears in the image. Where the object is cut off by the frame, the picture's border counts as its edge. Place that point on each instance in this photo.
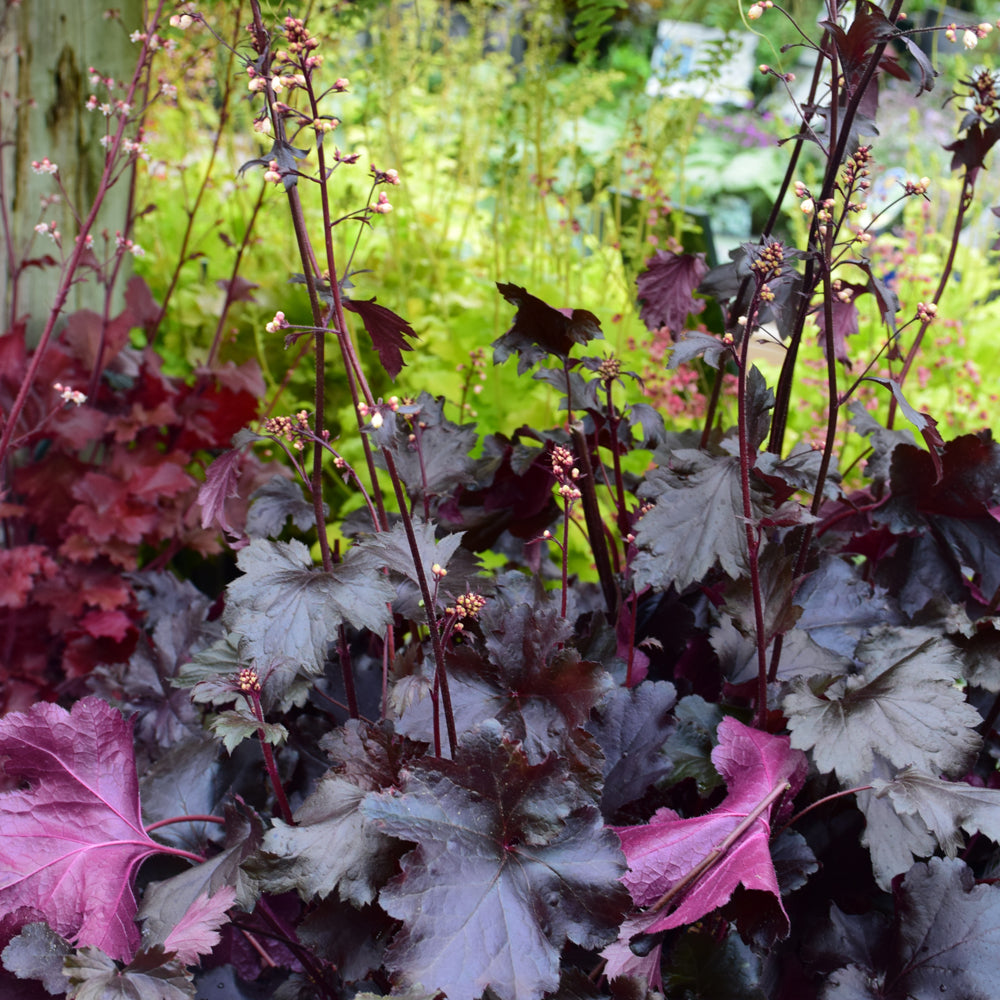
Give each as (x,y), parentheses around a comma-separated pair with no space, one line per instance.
(92,975)
(924,64)
(869,28)
(903,707)
(539,329)
(239,289)
(958,506)
(434,459)
(388,331)
(184,781)
(944,807)
(333,846)
(839,607)
(943,942)
(38,953)
(970,150)
(759,403)
(272,504)
(948,933)
(286,611)
(631,727)
(541,692)
(510,862)
(694,343)
(696,523)
(666,290)
(845,320)
(73,837)
(923,422)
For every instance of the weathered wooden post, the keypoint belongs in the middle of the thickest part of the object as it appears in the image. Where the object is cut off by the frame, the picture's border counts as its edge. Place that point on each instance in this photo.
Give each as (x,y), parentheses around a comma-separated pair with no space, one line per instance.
(46,49)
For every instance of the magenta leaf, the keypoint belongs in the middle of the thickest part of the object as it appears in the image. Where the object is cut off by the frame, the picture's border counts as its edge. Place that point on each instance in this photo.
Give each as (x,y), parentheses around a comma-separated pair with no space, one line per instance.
(387,330)
(197,932)
(511,860)
(759,769)
(73,839)
(666,289)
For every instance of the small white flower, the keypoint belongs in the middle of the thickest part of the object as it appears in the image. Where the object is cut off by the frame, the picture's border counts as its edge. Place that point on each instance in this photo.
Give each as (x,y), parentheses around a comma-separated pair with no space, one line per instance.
(970,39)
(70,395)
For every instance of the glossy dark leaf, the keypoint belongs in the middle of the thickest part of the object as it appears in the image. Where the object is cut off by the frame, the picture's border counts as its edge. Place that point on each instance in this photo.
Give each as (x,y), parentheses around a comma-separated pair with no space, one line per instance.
(903,707)
(631,726)
(540,330)
(695,344)
(510,862)
(666,290)
(434,458)
(540,691)
(956,506)
(689,747)
(696,523)
(923,422)
(286,611)
(38,953)
(151,976)
(272,504)
(944,940)
(390,334)
(970,151)
(332,846)
(845,321)
(839,607)
(944,807)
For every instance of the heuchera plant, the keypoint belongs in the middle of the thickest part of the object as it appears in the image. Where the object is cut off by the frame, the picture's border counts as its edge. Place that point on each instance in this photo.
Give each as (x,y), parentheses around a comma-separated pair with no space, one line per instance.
(753,759)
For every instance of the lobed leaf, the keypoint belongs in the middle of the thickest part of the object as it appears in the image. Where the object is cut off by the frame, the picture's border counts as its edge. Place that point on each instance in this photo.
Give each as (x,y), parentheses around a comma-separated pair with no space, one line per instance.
(510,861)
(73,837)
(696,523)
(287,612)
(664,853)
(903,707)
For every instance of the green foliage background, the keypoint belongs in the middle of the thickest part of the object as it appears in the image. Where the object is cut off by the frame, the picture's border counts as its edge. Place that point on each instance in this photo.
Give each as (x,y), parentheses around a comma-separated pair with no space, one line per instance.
(558,175)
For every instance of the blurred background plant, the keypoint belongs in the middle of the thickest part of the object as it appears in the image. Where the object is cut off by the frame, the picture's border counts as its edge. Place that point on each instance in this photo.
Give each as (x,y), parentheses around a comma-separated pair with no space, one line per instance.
(533,150)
